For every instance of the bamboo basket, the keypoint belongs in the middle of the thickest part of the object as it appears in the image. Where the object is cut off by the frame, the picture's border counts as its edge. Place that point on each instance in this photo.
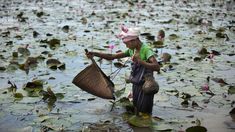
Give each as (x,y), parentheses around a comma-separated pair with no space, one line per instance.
(93,80)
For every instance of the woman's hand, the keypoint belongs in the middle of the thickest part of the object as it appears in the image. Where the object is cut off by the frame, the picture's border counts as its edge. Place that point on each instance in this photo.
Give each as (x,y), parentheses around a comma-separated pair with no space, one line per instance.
(89,55)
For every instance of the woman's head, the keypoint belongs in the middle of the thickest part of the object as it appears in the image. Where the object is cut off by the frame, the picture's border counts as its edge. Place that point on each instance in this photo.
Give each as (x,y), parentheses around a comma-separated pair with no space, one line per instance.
(130,36)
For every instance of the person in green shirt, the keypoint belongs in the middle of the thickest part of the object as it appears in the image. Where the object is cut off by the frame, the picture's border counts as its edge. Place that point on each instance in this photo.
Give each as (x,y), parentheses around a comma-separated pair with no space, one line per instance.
(142,56)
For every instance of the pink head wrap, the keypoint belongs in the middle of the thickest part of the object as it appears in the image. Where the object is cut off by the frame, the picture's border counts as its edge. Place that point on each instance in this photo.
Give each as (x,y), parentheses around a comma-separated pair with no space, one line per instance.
(128,34)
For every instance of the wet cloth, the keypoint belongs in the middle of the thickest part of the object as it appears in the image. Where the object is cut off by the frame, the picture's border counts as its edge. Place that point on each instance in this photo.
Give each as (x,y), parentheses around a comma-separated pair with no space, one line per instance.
(142,102)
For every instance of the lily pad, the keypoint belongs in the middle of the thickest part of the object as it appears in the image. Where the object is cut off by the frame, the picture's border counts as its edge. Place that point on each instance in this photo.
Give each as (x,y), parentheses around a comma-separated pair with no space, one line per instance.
(158,44)
(232,114)
(231,90)
(196,129)
(139,121)
(18,95)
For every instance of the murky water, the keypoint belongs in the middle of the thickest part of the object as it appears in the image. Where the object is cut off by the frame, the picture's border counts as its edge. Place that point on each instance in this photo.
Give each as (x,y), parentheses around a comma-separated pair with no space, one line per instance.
(93,25)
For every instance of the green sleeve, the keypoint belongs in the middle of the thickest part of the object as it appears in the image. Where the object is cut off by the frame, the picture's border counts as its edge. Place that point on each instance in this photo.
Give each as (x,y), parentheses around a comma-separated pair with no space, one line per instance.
(149,53)
(146,52)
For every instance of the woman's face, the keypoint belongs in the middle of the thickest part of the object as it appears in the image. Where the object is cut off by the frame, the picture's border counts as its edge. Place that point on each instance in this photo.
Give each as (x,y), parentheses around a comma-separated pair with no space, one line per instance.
(130,44)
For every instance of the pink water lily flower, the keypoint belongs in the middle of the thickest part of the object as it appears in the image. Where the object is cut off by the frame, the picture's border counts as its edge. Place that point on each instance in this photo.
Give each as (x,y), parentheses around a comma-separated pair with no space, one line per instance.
(111,46)
(205,87)
(160,37)
(211,56)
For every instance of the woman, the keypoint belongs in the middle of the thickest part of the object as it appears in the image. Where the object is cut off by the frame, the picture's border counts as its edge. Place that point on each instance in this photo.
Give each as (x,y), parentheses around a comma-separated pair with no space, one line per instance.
(142,56)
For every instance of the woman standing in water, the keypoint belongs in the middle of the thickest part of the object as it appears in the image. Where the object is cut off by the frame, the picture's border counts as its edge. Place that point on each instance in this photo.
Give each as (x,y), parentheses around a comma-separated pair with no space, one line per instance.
(142,56)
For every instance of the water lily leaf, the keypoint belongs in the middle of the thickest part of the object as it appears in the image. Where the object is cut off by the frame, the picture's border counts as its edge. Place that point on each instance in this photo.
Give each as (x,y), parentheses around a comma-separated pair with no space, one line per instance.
(196,59)
(24,50)
(163,127)
(18,95)
(220,35)
(168,21)
(53,43)
(125,102)
(139,121)
(166,57)
(15,54)
(33,88)
(172,92)
(196,129)
(120,92)
(173,36)
(232,114)
(54,63)
(34,84)
(186,96)
(101,126)
(59,95)
(71,53)
(158,44)
(119,64)
(65,28)
(61,66)
(35,34)
(150,37)
(194,104)
(84,20)
(231,90)
(2,68)
(185,103)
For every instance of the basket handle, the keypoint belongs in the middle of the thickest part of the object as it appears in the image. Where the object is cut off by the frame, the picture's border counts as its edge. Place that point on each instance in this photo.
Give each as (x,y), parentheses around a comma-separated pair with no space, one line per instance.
(92,59)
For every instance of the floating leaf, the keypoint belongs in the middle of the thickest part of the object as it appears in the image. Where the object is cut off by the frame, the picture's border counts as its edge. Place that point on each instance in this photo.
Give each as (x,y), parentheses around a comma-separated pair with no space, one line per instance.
(196,59)
(172,92)
(34,84)
(84,20)
(54,63)
(150,37)
(196,129)
(65,29)
(2,68)
(24,50)
(119,64)
(61,66)
(166,57)
(158,44)
(120,92)
(185,103)
(18,95)
(163,127)
(231,90)
(203,51)
(139,121)
(194,104)
(39,14)
(53,43)
(173,36)
(35,34)
(232,114)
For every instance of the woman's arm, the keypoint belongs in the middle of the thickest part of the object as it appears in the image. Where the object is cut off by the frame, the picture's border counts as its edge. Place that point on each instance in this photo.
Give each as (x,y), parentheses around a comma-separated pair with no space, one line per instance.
(152,64)
(106,56)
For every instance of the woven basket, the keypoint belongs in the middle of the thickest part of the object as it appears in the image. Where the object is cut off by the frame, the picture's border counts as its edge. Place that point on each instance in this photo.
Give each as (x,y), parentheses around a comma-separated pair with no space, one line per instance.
(94,81)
